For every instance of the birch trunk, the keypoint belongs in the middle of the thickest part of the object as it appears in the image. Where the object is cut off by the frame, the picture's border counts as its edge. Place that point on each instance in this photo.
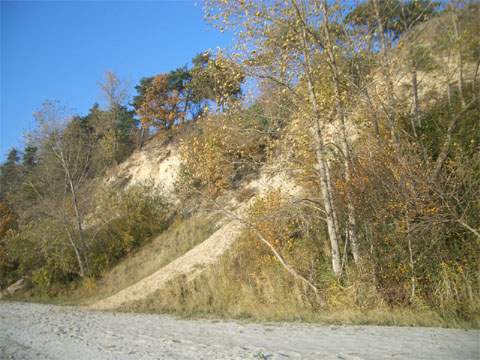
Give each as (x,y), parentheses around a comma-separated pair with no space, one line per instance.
(340,109)
(75,250)
(78,217)
(78,214)
(328,204)
(325,185)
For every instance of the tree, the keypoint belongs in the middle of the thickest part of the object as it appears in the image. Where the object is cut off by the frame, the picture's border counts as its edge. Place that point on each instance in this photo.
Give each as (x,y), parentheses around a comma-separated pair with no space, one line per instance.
(161,104)
(115,126)
(181,95)
(65,164)
(10,173)
(216,78)
(278,42)
(113,131)
(114,90)
(29,160)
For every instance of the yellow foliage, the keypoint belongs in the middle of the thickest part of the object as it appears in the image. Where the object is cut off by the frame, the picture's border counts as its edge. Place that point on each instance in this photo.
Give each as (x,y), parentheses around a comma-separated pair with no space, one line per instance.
(216,154)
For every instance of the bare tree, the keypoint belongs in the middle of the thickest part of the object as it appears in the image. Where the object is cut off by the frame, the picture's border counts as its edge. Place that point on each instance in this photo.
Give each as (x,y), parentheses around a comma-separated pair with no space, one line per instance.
(65,153)
(114,90)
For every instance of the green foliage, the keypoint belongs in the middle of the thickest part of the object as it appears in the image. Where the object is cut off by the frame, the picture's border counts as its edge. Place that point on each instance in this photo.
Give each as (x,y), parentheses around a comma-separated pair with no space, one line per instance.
(126,221)
(122,222)
(10,173)
(141,89)
(29,157)
(396,16)
(113,133)
(8,223)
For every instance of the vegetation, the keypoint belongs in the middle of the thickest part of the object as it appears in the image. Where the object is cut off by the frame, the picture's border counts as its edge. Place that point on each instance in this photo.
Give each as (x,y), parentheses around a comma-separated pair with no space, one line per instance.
(373,111)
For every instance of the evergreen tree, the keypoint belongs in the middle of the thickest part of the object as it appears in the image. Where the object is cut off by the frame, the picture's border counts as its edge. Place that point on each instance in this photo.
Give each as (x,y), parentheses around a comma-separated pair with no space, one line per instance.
(29,159)
(10,173)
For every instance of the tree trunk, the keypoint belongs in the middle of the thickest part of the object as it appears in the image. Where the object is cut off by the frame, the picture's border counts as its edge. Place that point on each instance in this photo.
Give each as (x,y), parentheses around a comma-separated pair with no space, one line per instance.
(78,215)
(460,80)
(413,279)
(340,109)
(75,249)
(325,185)
(328,204)
(142,135)
(330,192)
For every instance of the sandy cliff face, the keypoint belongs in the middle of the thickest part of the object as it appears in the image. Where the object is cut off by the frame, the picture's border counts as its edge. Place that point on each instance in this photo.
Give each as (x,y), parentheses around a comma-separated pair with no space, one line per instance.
(159,164)
(156,164)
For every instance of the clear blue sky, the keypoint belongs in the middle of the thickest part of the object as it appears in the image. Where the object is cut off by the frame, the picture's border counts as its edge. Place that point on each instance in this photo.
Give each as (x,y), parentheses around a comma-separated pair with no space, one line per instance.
(60,50)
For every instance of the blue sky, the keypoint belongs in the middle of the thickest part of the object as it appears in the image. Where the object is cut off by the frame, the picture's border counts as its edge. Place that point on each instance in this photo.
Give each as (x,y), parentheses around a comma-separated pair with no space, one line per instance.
(60,50)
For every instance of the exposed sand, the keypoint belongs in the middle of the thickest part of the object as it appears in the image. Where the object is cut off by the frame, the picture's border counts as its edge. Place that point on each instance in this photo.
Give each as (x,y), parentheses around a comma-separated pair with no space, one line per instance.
(190,264)
(38,332)
(207,253)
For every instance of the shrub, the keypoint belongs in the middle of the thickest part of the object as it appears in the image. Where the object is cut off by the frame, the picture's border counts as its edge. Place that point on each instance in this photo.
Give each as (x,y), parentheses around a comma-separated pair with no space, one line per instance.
(8,222)
(219,155)
(122,221)
(418,252)
(125,220)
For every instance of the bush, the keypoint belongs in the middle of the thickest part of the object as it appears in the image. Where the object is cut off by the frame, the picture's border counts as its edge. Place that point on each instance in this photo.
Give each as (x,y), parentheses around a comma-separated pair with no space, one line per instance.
(220,153)
(125,220)
(8,222)
(418,252)
(122,221)
(41,250)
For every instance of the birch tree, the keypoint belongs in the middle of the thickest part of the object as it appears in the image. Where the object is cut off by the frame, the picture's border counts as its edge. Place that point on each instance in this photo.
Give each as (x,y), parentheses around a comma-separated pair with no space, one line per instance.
(65,152)
(277,43)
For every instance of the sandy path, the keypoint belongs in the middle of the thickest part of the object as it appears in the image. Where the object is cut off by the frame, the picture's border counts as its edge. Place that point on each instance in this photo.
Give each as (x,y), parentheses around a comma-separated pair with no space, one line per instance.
(190,264)
(32,331)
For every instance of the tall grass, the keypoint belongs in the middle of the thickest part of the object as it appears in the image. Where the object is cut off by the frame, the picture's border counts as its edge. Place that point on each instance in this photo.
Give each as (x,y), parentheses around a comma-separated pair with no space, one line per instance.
(180,237)
(248,282)
(229,289)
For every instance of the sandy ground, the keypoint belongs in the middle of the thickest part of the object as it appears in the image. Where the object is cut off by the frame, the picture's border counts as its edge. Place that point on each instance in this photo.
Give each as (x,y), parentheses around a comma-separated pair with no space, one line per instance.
(37,332)
(191,264)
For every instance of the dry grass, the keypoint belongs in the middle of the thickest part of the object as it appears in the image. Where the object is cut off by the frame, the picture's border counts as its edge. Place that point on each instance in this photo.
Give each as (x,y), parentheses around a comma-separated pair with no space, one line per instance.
(230,289)
(223,301)
(164,248)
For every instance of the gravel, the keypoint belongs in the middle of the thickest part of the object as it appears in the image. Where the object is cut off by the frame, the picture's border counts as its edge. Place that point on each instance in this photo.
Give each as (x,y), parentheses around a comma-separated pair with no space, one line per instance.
(37,332)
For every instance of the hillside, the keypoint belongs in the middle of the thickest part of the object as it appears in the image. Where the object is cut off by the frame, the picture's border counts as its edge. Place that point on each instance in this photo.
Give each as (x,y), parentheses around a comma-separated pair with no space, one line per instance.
(155,164)
(147,166)
(345,191)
